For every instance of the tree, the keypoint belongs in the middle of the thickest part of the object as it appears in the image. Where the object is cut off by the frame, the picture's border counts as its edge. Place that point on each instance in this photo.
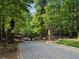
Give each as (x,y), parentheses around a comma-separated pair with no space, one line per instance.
(76,6)
(39,15)
(59,14)
(13,9)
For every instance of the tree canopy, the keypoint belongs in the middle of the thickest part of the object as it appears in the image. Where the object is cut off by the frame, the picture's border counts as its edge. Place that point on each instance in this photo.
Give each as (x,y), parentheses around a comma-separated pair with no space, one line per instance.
(60,16)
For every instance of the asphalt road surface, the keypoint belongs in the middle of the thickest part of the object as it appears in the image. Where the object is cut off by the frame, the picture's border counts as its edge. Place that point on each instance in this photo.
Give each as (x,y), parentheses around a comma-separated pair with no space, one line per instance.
(43,50)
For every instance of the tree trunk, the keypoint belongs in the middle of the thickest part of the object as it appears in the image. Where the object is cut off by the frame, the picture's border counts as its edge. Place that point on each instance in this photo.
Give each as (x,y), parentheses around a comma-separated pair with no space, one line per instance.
(49,34)
(3,28)
(78,36)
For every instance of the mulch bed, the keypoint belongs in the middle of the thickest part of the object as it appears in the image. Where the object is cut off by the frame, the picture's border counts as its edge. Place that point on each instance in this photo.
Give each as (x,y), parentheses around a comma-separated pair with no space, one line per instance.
(8,52)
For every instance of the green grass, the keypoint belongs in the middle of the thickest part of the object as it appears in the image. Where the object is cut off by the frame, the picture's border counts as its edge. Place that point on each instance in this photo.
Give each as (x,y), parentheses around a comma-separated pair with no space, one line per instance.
(74,43)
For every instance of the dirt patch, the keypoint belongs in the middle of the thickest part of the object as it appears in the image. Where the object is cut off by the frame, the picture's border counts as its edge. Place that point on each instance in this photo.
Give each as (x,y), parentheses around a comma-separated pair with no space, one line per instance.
(8,52)
(8,55)
(51,41)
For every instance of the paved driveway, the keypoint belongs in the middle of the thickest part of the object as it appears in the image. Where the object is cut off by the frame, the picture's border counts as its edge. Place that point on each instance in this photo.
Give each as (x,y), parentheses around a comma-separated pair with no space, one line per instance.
(43,50)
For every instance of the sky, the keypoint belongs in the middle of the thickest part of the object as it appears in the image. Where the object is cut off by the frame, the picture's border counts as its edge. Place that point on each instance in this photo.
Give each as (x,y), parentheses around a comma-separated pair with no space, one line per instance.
(32,9)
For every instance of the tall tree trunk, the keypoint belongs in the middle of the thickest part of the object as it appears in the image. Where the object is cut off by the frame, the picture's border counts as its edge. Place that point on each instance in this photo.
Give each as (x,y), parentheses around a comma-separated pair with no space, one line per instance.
(3,28)
(49,34)
(78,35)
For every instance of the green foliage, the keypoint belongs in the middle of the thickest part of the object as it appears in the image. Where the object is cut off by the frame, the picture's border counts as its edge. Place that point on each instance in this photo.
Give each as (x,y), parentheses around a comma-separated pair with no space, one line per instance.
(17,10)
(59,15)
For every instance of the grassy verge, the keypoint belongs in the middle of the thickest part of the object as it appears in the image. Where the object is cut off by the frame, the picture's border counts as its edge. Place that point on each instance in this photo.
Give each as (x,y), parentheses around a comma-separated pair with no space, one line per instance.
(74,43)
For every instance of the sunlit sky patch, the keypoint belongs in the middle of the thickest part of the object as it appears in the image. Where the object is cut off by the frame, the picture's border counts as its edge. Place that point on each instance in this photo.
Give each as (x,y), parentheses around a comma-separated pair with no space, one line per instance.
(32,9)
